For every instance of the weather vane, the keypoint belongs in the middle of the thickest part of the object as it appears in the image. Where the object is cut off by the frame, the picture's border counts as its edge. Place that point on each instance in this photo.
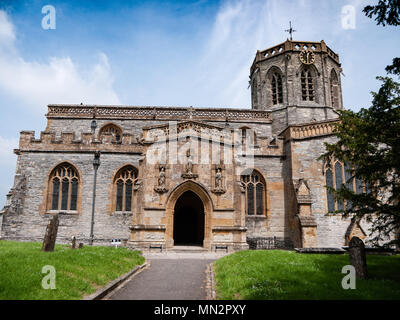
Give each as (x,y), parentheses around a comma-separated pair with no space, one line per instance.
(290,30)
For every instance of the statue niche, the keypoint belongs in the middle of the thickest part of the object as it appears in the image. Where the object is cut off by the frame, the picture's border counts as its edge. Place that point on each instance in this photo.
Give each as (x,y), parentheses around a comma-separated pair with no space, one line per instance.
(161,188)
(188,174)
(218,179)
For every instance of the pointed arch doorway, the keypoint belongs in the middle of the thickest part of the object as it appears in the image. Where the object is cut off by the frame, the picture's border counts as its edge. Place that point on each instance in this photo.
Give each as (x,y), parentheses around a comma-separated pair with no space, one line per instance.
(188,220)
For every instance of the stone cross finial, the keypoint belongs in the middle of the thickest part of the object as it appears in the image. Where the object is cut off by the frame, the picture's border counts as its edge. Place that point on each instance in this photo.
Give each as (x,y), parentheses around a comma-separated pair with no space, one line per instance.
(290,30)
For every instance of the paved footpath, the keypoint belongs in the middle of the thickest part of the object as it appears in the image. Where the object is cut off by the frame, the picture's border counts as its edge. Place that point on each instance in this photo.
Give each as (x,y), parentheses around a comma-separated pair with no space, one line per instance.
(169,277)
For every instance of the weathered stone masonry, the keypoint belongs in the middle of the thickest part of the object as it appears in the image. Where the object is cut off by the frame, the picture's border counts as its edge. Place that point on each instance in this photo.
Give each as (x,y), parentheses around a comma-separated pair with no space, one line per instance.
(292,116)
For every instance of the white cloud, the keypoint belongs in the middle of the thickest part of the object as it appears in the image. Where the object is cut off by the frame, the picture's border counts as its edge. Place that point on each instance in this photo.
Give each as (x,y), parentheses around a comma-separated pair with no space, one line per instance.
(7,34)
(243,27)
(240,29)
(7,157)
(59,80)
(7,166)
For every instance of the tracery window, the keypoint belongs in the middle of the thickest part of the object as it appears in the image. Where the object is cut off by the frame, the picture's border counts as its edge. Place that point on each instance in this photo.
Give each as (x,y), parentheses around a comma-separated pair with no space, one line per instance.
(63,188)
(276,87)
(254,186)
(113,130)
(307,85)
(336,175)
(123,185)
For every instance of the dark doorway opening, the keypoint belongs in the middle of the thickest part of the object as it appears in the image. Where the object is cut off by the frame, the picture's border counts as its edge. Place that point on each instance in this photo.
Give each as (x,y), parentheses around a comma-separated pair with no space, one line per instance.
(189,220)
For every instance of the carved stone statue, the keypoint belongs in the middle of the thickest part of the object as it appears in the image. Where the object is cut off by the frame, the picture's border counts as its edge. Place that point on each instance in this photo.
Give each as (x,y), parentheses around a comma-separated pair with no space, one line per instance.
(218,179)
(219,189)
(161,177)
(188,174)
(161,180)
(189,166)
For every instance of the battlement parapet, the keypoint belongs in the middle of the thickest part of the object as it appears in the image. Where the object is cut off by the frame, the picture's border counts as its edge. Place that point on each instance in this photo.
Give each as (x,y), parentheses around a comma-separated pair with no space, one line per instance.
(68,141)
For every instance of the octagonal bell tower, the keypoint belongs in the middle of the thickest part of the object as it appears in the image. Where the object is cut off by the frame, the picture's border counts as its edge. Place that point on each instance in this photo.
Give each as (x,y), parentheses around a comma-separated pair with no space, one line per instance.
(298,81)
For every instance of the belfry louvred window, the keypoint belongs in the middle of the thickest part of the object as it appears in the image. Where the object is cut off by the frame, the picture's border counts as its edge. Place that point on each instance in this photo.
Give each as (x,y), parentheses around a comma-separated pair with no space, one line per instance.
(307,86)
(124,181)
(276,87)
(334,86)
(63,188)
(254,186)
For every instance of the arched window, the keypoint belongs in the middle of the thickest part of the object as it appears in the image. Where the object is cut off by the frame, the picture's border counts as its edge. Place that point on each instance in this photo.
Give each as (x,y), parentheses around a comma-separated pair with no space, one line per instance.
(330,195)
(123,186)
(307,85)
(337,175)
(248,133)
(339,182)
(348,177)
(113,130)
(334,84)
(63,188)
(276,87)
(254,186)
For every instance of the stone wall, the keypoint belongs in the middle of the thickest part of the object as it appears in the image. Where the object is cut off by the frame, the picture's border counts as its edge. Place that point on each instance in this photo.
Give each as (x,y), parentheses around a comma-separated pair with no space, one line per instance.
(279,163)
(31,223)
(289,138)
(331,229)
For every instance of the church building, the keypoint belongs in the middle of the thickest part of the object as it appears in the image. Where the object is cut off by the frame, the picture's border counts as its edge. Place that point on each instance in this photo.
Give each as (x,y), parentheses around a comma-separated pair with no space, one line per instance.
(160,177)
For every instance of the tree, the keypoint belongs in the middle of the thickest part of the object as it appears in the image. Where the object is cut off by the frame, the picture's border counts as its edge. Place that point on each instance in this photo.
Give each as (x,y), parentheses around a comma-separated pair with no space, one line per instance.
(368,141)
(386,12)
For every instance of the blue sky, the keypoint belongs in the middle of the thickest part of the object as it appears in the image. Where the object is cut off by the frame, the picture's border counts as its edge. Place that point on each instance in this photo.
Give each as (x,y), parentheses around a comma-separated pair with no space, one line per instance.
(167,53)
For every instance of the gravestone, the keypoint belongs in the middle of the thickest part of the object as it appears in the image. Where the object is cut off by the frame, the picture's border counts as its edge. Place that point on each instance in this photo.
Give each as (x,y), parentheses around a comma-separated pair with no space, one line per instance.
(50,236)
(73,242)
(357,257)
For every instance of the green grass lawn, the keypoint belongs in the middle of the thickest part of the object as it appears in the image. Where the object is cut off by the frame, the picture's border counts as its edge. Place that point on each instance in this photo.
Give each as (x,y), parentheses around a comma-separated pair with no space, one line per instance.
(278,274)
(78,272)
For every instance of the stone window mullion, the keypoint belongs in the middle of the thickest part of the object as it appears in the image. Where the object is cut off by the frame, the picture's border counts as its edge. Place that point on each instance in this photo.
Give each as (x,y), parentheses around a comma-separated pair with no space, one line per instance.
(255,201)
(69,194)
(55,198)
(123,195)
(62,179)
(124,189)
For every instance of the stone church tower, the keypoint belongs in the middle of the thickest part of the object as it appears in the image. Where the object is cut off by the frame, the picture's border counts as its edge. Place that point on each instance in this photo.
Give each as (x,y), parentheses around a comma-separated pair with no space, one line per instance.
(298,81)
(217,178)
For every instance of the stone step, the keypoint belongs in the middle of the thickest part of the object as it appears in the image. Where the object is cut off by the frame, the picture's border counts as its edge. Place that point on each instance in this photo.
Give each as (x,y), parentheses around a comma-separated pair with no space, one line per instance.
(188,249)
